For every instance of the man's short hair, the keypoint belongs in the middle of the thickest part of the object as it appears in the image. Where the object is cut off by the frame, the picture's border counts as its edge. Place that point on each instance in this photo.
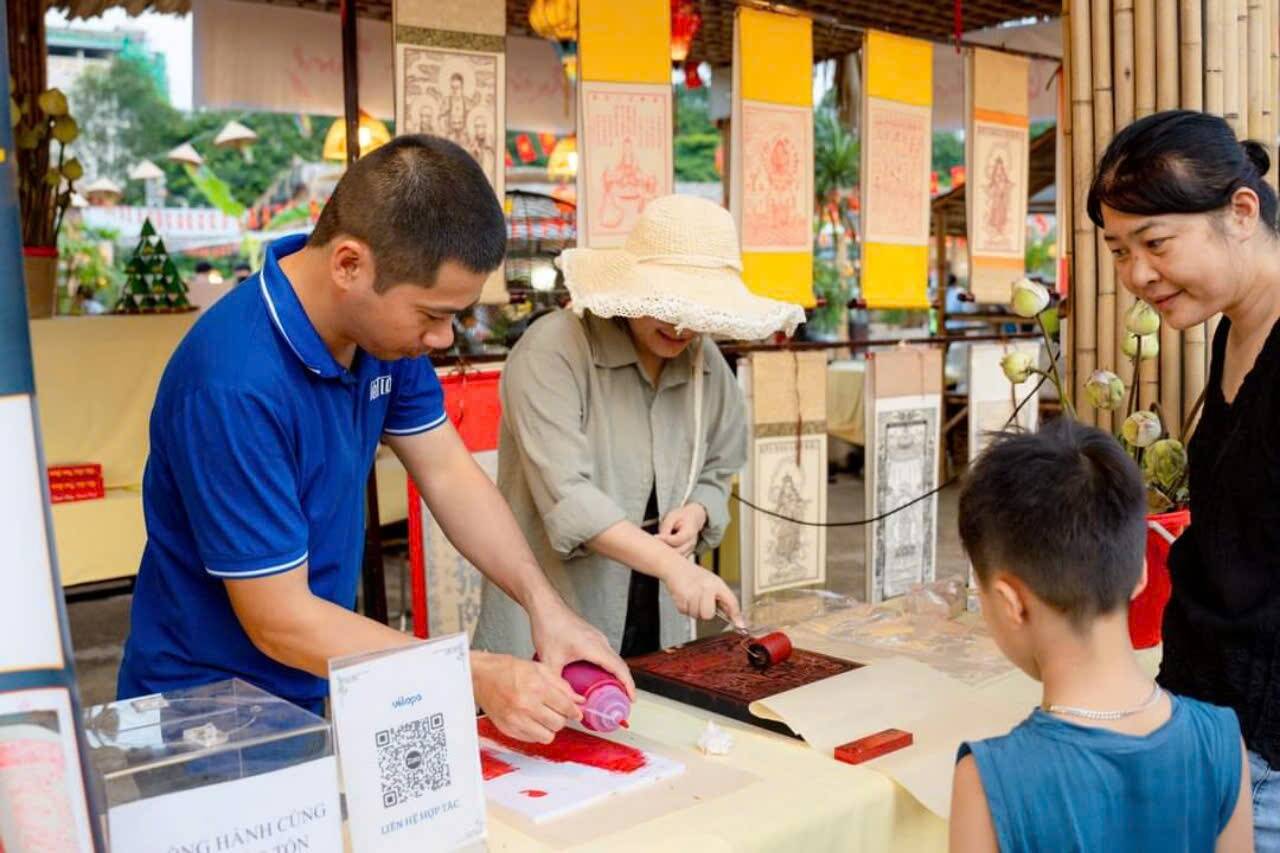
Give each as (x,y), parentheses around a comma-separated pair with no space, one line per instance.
(1064,511)
(417,202)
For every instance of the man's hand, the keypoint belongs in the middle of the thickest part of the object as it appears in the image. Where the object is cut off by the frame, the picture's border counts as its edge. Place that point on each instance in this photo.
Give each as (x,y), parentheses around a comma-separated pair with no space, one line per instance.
(696,591)
(681,527)
(526,700)
(561,637)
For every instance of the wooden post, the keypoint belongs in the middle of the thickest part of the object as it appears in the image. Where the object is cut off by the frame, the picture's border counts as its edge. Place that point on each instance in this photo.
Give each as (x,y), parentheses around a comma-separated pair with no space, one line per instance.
(1084,288)
(373,576)
(1103,130)
(1144,57)
(1065,181)
(1195,79)
(27,66)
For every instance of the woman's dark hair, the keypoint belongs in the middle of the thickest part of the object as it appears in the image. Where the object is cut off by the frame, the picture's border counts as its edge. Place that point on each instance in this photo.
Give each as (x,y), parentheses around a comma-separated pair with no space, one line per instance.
(1179,162)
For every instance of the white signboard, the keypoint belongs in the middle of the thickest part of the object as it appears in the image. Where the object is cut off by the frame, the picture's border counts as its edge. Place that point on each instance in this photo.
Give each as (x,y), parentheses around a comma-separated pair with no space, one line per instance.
(291,809)
(406,728)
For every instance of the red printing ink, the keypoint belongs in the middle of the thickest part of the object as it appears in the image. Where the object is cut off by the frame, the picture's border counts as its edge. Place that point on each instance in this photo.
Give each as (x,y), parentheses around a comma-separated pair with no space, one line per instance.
(534,793)
(491,766)
(571,747)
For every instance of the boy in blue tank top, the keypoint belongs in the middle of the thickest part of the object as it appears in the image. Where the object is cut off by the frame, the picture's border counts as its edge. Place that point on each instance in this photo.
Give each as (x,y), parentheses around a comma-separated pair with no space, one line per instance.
(1055,525)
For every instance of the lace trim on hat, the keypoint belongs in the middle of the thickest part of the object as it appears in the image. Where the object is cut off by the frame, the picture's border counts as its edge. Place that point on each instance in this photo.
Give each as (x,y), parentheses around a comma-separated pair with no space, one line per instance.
(686,314)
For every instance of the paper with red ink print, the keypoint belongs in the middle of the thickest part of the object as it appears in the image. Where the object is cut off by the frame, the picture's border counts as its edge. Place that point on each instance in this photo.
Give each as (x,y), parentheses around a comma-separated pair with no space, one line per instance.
(576,770)
(777,188)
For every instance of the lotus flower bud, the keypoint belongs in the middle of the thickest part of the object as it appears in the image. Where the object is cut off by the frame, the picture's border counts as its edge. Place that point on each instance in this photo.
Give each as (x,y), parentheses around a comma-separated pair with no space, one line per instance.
(72,170)
(1017,366)
(1165,463)
(1142,319)
(52,103)
(1150,346)
(1105,390)
(1142,429)
(65,130)
(1029,298)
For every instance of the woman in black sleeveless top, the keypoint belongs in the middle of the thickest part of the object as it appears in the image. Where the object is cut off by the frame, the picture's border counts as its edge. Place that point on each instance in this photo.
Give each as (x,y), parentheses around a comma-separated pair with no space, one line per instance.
(1192,225)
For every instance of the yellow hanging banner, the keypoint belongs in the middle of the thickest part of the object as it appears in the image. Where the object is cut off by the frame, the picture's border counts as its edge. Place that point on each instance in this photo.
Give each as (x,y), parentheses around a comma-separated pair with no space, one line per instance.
(771,152)
(996,163)
(897,152)
(625,132)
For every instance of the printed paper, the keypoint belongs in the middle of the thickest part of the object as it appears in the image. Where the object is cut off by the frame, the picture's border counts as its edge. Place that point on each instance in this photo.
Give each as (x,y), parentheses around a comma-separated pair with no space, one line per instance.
(786,554)
(896,184)
(999,186)
(777,207)
(455,94)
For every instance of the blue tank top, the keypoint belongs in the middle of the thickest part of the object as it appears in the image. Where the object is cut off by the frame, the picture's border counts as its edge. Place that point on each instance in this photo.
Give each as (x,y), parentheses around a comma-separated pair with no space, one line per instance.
(1054,785)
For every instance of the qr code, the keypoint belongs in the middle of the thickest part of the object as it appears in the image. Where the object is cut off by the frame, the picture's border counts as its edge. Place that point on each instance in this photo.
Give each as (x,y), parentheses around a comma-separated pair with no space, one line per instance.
(413,759)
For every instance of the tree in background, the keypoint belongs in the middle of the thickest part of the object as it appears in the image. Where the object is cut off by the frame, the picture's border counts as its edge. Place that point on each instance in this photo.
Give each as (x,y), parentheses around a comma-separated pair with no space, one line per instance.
(696,137)
(126,117)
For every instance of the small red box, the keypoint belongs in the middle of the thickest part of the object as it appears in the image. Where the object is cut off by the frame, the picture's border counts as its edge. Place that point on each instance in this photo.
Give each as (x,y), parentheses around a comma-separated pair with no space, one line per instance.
(80,482)
(873,746)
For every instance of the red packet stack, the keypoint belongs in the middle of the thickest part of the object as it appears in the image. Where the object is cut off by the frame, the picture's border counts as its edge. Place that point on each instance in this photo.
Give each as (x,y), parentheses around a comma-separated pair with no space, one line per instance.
(873,746)
(82,482)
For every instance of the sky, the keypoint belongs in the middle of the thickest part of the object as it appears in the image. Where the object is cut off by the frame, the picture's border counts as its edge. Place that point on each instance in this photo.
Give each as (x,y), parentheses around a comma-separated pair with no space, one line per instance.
(167,34)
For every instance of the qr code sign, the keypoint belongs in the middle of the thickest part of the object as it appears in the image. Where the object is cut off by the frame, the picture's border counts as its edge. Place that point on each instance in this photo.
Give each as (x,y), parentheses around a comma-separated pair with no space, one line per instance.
(413,759)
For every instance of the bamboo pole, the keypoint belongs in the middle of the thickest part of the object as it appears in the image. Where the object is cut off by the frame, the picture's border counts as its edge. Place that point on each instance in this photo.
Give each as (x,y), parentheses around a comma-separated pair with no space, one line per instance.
(1273,86)
(1125,102)
(1258,55)
(1214,50)
(1194,74)
(1169,392)
(1231,65)
(1190,25)
(1144,58)
(1084,293)
(1064,178)
(1242,64)
(1103,130)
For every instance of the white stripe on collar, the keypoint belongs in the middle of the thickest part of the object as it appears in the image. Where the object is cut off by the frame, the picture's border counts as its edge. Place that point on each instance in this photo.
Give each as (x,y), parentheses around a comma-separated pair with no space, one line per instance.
(275,318)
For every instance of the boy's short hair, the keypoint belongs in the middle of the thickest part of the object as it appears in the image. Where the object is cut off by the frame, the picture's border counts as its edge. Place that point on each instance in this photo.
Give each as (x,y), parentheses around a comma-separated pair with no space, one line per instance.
(1064,511)
(417,202)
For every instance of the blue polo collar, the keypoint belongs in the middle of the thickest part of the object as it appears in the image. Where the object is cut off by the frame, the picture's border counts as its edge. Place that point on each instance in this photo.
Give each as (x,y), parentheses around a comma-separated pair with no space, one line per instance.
(287,314)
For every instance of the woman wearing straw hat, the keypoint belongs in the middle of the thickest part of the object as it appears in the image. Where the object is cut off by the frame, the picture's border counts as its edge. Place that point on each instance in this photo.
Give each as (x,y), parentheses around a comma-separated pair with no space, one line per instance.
(623,425)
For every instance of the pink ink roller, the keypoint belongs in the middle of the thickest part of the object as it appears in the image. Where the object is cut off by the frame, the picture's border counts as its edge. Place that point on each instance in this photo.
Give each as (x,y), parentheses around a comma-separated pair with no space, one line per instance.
(607,707)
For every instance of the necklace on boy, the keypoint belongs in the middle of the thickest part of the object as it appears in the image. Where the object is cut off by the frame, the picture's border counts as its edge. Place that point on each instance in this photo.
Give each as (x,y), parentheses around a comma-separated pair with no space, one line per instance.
(1088,714)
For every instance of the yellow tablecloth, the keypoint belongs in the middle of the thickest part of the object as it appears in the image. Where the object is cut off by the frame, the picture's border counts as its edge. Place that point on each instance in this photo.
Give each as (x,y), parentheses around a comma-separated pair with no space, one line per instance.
(845,416)
(96,380)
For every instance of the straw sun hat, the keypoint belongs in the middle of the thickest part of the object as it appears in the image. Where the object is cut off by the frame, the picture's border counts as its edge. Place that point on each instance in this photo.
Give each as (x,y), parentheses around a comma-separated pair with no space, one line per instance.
(681,265)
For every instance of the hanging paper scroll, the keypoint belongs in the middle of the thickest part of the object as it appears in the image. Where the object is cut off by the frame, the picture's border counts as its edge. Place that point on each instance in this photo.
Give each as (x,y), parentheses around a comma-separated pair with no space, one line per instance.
(786,471)
(996,157)
(625,132)
(771,169)
(450,82)
(903,434)
(897,152)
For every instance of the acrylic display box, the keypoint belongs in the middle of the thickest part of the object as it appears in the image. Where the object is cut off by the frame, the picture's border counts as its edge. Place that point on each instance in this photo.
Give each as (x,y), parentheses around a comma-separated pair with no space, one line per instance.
(192,759)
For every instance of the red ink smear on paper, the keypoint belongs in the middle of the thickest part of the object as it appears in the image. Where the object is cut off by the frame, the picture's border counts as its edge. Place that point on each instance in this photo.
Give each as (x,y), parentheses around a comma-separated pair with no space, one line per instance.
(491,766)
(534,792)
(571,747)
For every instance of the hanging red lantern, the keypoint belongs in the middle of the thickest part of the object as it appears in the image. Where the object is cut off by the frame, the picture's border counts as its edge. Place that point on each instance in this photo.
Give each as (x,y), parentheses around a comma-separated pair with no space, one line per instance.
(933,183)
(524,149)
(957,176)
(686,20)
(548,142)
(692,77)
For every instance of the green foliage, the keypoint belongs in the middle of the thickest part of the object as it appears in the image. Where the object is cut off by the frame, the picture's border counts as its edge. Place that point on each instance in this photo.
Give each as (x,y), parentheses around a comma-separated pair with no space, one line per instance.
(126,117)
(829,286)
(86,270)
(696,136)
(835,155)
(948,151)
(215,190)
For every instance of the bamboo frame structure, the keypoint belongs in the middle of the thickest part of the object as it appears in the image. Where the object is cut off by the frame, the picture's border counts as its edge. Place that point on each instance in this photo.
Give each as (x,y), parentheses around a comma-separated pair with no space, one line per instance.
(1084,286)
(1194,84)
(1242,64)
(1258,54)
(1144,58)
(1273,88)
(1168,63)
(1215,94)
(1065,178)
(1191,27)
(1103,130)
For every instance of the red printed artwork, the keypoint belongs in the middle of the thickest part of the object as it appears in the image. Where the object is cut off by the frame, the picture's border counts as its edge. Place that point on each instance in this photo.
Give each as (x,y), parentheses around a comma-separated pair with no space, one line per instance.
(570,746)
(777,186)
(897,160)
(626,156)
(491,766)
(999,187)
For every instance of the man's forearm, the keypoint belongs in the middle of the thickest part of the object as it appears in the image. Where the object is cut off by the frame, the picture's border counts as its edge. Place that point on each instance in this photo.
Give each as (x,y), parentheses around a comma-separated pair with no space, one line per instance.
(319,631)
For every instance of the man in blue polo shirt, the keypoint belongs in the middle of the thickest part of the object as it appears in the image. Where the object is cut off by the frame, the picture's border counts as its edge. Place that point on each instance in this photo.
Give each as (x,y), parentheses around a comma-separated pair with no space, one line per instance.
(265,427)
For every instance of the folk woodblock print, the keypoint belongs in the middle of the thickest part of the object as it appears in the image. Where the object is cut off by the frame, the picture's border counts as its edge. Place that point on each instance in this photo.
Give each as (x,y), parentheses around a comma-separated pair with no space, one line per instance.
(626,154)
(454,586)
(455,94)
(786,554)
(906,467)
(41,795)
(999,187)
(777,182)
(899,148)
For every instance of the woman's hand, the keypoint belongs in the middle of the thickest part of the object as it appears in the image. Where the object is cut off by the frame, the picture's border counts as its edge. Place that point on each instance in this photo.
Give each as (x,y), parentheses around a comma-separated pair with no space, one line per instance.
(681,528)
(696,591)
